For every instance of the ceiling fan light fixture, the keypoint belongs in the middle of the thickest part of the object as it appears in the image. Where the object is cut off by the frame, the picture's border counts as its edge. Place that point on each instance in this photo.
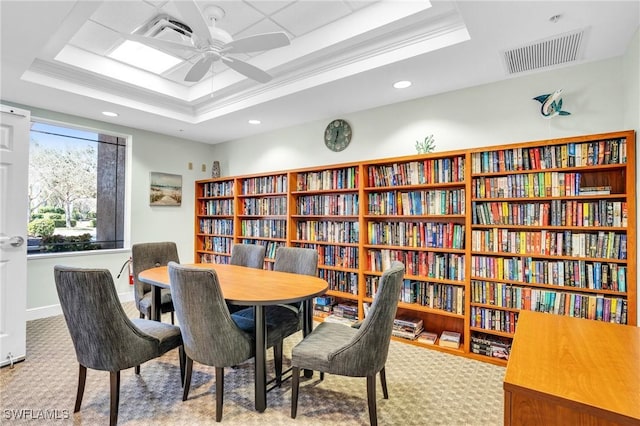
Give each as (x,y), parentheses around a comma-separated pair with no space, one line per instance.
(145,57)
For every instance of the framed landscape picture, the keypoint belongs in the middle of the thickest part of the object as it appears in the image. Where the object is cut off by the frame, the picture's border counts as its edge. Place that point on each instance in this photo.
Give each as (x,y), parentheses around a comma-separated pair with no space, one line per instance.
(165,189)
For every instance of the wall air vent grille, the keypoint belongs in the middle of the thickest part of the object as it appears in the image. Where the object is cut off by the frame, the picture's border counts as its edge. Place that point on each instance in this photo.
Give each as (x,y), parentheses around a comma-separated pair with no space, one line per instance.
(545,53)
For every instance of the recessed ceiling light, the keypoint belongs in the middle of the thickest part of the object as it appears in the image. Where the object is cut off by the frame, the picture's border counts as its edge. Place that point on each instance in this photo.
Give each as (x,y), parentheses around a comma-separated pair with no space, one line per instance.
(402,84)
(110,114)
(254,121)
(145,57)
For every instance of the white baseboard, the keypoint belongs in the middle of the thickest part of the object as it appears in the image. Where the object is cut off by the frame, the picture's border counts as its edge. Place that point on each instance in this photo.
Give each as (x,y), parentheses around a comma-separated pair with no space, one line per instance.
(53,310)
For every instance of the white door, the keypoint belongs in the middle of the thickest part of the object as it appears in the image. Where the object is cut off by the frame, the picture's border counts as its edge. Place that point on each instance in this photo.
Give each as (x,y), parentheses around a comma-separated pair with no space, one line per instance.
(14,213)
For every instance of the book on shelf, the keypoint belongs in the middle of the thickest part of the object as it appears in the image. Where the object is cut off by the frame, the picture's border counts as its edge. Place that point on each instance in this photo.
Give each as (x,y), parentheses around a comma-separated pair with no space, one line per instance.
(348,310)
(407,327)
(427,337)
(449,339)
(324,300)
(595,190)
(340,320)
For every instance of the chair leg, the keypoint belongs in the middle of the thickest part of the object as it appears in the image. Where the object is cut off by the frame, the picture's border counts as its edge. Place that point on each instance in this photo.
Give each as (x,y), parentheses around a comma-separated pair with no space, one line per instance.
(181,356)
(219,392)
(141,315)
(137,369)
(295,384)
(115,397)
(82,379)
(187,378)
(321,375)
(383,382)
(172,319)
(371,398)
(277,359)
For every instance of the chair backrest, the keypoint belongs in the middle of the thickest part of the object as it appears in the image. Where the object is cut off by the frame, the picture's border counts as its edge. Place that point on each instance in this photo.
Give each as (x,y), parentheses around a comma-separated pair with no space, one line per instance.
(150,255)
(251,255)
(102,334)
(367,352)
(209,334)
(297,260)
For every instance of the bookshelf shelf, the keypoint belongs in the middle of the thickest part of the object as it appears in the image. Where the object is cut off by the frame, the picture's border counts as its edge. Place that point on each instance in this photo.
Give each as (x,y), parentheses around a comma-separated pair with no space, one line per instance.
(545,209)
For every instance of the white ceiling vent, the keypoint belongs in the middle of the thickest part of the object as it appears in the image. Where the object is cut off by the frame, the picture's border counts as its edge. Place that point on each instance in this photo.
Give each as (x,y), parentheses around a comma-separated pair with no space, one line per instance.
(545,53)
(165,27)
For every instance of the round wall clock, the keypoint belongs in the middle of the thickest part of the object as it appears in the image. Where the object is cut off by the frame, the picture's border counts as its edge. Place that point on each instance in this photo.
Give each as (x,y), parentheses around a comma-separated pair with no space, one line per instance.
(337,135)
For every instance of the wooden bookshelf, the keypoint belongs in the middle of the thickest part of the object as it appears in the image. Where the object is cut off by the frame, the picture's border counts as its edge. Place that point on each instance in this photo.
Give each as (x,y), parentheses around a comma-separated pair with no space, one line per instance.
(414,212)
(483,233)
(215,217)
(550,232)
(325,206)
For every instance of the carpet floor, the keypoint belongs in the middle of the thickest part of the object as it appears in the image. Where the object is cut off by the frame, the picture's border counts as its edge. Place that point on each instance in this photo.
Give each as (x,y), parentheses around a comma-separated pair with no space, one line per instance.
(426,387)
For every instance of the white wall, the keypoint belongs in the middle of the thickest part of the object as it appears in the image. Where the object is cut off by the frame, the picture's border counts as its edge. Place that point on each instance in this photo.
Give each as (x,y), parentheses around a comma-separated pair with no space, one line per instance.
(492,114)
(150,152)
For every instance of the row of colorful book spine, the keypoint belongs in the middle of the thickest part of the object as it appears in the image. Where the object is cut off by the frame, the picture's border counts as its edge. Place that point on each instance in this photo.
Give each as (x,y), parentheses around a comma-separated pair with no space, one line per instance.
(423,202)
(429,171)
(328,179)
(264,228)
(329,205)
(611,151)
(537,185)
(328,231)
(608,245)
(337,256)
(416,234)
(264,185)
(264,206)
(218,189)
(569,273)
(222,207)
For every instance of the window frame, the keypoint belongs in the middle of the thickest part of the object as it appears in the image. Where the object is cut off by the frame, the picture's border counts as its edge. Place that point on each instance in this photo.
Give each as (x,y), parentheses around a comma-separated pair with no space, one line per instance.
(126,244)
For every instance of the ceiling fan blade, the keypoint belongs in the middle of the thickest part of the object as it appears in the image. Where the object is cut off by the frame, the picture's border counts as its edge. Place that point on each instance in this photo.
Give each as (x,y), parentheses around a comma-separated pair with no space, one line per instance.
(160,44)
(194,18)
(199,69)
(258,42)
(247,69)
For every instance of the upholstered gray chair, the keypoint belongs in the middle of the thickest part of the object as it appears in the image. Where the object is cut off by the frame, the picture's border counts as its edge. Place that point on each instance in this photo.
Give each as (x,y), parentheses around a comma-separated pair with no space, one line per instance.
(249,255)
(146,256)
(103,336)
(210,333)
(286,319)
(356,352)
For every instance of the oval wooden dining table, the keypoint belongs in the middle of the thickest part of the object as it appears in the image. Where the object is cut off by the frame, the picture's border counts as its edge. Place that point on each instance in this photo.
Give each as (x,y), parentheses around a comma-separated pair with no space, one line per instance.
(250,287)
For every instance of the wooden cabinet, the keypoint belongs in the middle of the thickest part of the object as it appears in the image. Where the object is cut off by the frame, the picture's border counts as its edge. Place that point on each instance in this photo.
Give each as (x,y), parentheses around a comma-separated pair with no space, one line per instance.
(571,371)
(484,233)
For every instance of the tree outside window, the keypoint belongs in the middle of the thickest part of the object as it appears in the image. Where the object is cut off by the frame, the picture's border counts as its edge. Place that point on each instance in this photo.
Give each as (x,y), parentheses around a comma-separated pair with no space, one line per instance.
(76,189)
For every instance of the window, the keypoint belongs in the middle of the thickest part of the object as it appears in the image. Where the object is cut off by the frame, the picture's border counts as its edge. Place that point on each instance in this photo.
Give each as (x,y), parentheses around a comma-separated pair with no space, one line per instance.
(76,189)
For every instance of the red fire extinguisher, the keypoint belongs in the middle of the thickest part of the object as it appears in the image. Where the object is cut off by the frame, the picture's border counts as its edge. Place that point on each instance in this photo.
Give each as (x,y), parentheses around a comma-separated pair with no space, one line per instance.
(129,263)
(130,271)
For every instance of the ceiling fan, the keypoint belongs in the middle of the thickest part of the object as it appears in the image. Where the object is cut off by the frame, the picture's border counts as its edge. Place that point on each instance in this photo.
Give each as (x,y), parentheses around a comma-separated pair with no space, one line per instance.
(214,44)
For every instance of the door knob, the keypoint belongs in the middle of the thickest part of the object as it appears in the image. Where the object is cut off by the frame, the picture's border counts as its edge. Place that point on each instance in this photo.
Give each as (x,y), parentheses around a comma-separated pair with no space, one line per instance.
(16,241)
